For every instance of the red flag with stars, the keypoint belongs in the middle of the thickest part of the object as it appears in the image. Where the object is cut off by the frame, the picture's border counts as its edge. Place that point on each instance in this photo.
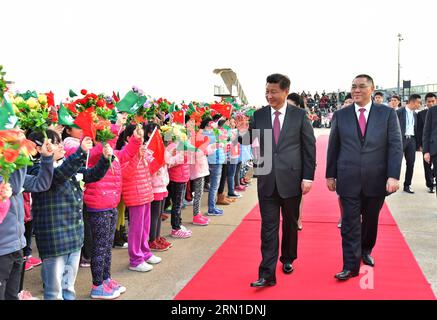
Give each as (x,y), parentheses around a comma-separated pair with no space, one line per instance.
(179,116)
(224,109)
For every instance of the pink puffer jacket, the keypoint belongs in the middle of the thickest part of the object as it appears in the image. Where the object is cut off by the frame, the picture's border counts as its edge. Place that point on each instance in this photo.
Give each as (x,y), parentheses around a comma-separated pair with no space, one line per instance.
(199,166)
(160,180)
(105,193)
(179,168)
(137,182)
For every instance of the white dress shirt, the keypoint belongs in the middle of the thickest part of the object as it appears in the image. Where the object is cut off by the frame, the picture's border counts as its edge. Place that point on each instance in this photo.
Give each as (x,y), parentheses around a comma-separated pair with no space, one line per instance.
(409,122)
(282,110)
(366,113)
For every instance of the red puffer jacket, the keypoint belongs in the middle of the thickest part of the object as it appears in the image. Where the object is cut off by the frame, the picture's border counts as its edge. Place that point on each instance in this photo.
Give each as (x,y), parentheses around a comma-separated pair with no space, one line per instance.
(105,193)
(137,182)
(178,166)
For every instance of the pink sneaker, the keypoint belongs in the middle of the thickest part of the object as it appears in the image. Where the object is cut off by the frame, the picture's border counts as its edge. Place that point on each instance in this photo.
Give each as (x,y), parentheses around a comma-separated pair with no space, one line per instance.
(114,285)
(26,295)
(181,233)
(240,188)
(34,261)
(200,220)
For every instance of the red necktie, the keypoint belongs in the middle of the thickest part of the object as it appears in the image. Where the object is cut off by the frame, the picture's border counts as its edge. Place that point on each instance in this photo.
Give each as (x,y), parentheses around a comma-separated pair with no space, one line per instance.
(362,121)
(276,126)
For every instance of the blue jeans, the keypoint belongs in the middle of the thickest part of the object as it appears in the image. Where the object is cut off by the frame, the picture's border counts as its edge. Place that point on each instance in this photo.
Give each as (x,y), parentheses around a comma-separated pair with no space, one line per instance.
(59,275)
(215,173)
(231,176)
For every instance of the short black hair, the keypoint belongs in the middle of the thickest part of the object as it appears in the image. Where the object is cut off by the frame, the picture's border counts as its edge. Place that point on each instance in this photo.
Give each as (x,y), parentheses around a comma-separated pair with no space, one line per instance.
(379,93)
(297,99)
(205,122)
(216,116)
(396,97)
(282,80)
(413,97)
(348,96)
(38,138)
(369,78)
(430,95)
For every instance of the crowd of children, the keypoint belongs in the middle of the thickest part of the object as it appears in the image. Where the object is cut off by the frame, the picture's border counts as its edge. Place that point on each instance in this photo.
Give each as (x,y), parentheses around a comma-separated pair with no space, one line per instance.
(77,193)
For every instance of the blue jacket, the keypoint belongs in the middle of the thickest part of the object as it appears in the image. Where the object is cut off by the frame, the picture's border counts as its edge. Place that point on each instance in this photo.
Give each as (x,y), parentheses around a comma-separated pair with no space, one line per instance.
(12,228)
(218,156)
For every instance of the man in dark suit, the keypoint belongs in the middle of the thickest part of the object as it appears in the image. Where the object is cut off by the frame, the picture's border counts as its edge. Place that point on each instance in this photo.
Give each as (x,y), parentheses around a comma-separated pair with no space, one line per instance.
(408,122)
(429,138)
(285,171)
(430,100)
(363,165)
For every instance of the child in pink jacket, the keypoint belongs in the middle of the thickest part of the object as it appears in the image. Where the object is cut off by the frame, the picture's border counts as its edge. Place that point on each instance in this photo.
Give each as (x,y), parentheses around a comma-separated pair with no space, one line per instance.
(160,181)
(179,172)
(138,195)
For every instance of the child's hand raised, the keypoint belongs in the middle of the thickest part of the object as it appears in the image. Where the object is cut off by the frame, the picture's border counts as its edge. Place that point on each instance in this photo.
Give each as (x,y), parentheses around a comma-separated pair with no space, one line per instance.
(139,133)
(5,191)
(47,148)
(87,144)
(107,151)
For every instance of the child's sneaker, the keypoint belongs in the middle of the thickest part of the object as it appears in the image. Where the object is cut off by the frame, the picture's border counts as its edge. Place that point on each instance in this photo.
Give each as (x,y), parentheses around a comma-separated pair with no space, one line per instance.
(235,195)
(26,295)
(142,267)
(181,233)
(200,220)
(164,216)
(84,263)
(158,246)
(215,212)
(104,292)
(33,261)
(114,285)
(28,266)
(163,241)
(154,260)
(240,188)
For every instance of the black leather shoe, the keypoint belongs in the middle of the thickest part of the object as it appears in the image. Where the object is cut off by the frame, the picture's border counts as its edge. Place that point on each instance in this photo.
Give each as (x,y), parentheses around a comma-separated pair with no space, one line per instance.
(431,190)
(408,189)
(261,282)
(287,267)
(368,260)
(346,274)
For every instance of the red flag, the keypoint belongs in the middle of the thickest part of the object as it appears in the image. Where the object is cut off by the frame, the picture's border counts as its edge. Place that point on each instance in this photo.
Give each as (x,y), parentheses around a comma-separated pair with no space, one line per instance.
(50,99)
(224,109)
(156,146)
(179,116)
(115,97)
(84,120)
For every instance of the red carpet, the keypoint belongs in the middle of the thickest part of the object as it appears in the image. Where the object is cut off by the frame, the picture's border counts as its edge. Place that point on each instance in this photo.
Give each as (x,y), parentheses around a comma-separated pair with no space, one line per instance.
(228,273)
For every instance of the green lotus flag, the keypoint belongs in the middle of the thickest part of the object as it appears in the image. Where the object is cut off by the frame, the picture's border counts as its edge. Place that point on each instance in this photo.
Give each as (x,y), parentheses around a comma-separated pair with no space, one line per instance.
(129,103)
(8,119)
(64,117)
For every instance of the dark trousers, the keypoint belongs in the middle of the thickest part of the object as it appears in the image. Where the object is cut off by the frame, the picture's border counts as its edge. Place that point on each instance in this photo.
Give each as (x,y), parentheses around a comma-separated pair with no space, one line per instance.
(270,207)
(359,228)
(177,191)
(28,231)
(237,175)
(410,157)
(87,239)
(429,175)
(156,209)
(103,226)
(10,274)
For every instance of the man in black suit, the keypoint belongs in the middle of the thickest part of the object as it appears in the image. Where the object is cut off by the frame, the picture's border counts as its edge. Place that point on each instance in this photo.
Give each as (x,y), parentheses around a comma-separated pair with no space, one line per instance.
(363,165)
(408,122)
(285,172)
(429,138)
(430,100)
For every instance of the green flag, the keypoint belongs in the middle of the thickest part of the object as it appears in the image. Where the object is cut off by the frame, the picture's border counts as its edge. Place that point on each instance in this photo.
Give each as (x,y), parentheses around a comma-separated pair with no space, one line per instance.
(64,117)
(72,94)
(28,94)
(129,103)
(8,119)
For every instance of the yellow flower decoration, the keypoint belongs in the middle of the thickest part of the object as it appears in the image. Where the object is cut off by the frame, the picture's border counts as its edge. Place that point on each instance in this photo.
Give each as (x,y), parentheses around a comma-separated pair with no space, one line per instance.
(32,103)
(42,99)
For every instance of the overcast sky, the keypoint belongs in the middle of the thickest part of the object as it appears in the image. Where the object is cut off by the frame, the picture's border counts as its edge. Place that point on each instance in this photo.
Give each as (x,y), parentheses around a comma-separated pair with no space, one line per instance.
(170,48)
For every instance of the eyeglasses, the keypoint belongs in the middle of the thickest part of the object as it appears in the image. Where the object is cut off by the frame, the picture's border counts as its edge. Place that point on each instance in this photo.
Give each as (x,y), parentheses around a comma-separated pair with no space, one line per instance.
(361,86)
